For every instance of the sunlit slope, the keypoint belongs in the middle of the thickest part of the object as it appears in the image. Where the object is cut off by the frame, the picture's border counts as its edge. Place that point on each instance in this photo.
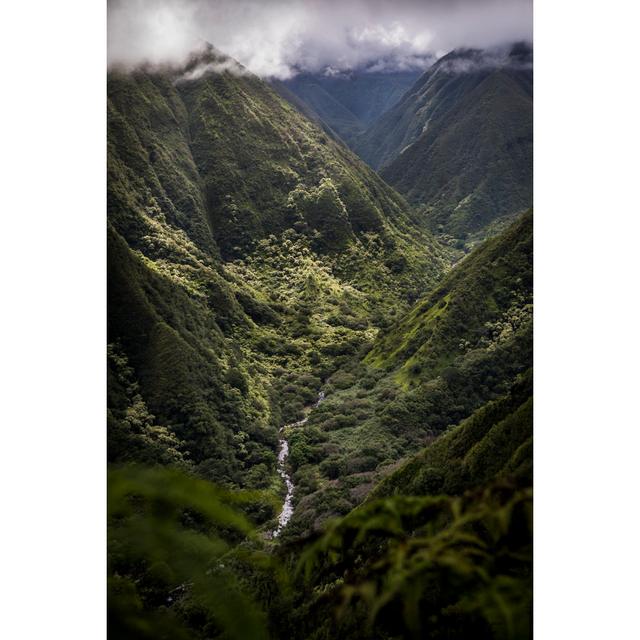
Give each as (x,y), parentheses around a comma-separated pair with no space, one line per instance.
(249,256)
(486,300)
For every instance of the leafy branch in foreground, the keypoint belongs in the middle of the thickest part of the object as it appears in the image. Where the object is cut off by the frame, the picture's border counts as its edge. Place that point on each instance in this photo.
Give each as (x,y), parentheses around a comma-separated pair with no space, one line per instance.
(173,558)
(431,566)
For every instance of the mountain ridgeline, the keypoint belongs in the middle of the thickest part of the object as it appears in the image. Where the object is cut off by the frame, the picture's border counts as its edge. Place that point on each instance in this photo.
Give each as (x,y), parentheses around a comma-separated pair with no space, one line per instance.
(459,144)
(457,141)
(254,261)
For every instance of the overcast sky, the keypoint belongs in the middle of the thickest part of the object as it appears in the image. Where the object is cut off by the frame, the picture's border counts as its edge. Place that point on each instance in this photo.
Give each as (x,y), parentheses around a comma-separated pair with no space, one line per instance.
(274,38)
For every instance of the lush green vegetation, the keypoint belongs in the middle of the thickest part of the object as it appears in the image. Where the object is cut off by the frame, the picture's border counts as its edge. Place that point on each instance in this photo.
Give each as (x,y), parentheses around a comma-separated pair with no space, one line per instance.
(178,548)
(435,567)
(442,547)
(460,347)
(252,262)
(249,257)
(496,441)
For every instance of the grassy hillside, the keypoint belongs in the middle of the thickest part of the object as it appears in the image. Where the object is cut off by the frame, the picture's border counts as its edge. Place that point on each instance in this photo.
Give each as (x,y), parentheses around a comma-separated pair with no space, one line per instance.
(459,144)
(460,347)
(489,293)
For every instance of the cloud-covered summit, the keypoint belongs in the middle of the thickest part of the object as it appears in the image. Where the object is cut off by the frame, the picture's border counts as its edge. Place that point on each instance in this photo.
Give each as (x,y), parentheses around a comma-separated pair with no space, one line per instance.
(279,38)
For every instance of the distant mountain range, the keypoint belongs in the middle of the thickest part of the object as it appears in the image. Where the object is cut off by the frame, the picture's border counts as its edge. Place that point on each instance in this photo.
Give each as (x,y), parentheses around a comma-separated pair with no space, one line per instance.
(458,144)
(350,102)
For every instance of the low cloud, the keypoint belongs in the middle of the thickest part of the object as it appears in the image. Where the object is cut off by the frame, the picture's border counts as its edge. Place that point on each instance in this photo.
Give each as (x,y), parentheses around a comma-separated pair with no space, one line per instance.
(279,38)
(229,65)
(519,57)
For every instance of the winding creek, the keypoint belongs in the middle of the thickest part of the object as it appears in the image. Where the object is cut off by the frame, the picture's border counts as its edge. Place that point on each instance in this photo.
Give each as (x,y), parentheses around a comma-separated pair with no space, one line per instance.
(283,452)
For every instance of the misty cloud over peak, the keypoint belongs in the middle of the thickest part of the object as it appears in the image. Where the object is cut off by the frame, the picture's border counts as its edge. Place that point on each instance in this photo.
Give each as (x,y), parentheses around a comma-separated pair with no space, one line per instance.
(281,38)
(515,56)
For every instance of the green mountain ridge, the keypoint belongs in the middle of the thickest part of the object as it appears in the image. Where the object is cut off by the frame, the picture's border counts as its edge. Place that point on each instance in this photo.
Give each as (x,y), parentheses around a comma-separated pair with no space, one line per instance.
(248,255)
(495,441)
(459,145)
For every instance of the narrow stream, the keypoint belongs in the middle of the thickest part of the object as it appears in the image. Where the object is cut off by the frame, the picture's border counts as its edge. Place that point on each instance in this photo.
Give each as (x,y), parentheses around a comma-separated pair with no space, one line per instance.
(283,452)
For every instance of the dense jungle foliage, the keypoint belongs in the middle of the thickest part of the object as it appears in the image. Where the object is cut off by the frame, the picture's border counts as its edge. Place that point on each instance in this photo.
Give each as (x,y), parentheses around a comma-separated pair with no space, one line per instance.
(441,549)
(461,346)
(254,261)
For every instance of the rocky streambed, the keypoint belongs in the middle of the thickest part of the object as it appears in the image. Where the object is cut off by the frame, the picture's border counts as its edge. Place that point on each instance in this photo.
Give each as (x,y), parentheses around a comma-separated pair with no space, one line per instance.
(283,453)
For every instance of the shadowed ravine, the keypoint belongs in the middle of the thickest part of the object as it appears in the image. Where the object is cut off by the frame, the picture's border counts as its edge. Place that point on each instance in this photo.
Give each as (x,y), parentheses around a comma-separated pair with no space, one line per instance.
(283,452)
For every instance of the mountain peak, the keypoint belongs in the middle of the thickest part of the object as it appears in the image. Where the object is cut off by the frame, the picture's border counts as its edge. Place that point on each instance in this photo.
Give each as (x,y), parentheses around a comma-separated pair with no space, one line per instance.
(206,58)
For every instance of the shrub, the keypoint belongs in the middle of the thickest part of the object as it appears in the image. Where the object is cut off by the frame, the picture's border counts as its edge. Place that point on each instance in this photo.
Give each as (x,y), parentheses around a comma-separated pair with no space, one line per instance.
(331,467)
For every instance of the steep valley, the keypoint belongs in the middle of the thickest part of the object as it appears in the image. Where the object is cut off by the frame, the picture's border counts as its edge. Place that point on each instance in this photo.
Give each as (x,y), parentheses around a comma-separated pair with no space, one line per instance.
(348,103)
(249,257)
(461,346)
(296,365)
